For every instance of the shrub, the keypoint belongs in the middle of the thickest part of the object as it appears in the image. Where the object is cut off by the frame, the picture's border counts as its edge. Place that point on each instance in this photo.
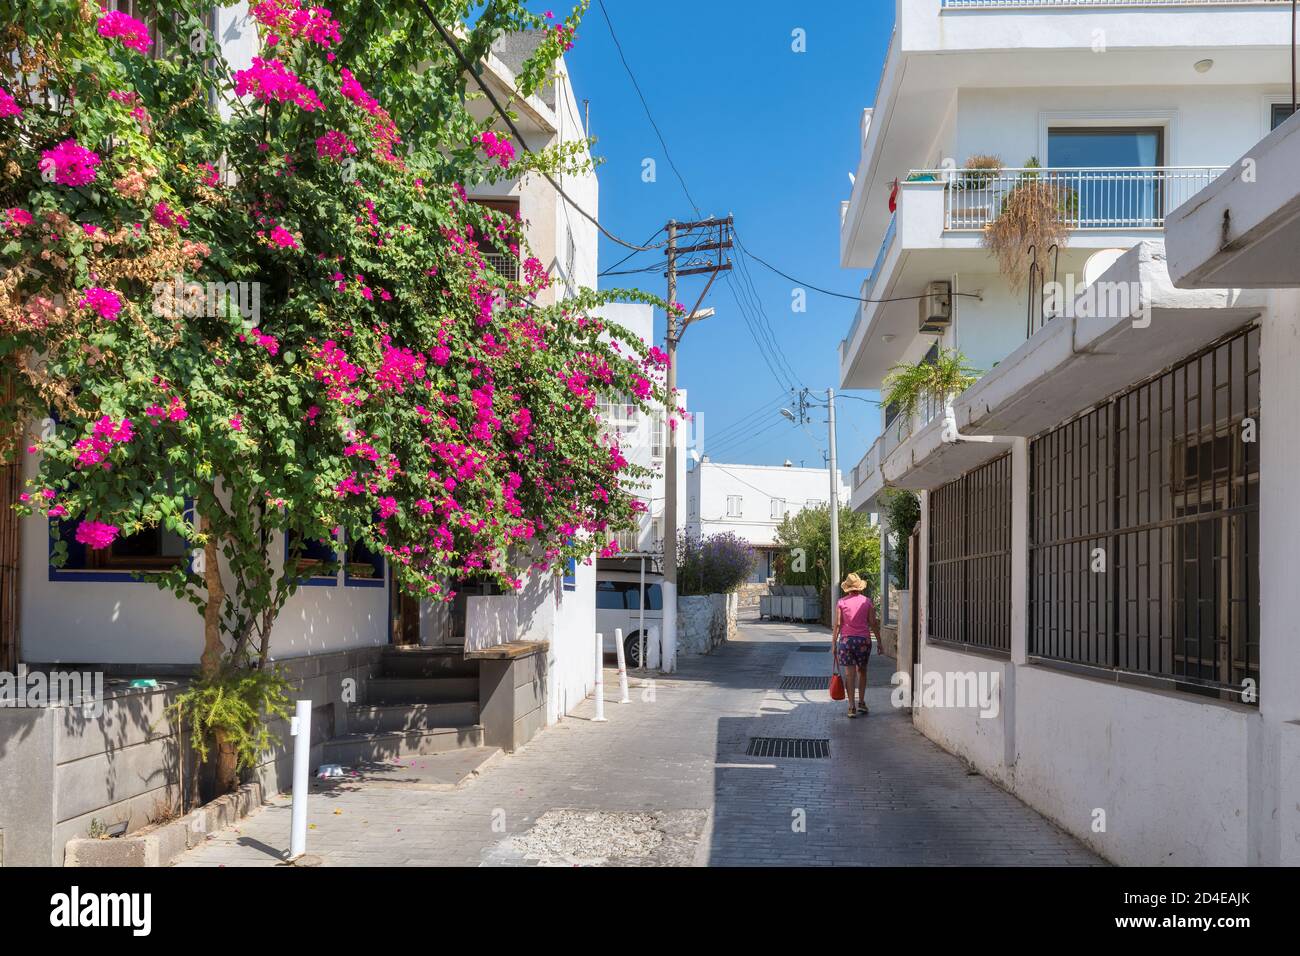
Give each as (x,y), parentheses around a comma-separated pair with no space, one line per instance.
(717,564)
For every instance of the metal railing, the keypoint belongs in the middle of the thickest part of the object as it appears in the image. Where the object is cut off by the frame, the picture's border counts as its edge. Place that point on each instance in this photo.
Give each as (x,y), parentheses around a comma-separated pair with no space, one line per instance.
(505,265)
(869,284)
(868,466)
(1112,197)
(1019,4)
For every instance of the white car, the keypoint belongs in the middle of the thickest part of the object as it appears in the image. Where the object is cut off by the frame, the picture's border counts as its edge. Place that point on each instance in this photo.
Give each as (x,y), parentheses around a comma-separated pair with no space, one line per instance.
(618,605)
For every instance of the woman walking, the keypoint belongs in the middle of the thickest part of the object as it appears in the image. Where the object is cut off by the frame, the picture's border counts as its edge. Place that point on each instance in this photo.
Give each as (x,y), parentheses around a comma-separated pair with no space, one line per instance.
(855,620)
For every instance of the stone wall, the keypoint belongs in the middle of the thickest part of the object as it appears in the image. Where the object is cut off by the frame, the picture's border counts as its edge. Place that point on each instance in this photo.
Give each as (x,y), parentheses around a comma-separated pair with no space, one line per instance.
(704,621)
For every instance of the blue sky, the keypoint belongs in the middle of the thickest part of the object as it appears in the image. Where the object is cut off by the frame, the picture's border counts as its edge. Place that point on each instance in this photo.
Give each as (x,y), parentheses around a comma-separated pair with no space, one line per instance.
(764,133)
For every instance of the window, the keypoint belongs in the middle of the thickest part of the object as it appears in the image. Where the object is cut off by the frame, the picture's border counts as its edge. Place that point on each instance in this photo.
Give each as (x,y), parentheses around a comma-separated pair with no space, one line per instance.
(656,534)
(970,559)
(504,262)
(1144,528)
(363,568)
(1280,114)
(735,506)
(570,264)
(1114,195)
(150,550)
(657,437)
(318,560)
(617,410)
(778,509)
(625,596)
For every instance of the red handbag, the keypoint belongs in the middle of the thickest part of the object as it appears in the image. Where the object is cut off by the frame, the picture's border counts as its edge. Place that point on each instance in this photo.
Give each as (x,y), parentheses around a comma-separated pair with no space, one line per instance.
(837,686)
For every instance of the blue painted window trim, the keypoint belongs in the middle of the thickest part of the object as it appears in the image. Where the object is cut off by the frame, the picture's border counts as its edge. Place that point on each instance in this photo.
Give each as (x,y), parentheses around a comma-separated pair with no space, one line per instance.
(103,577)
(571,575)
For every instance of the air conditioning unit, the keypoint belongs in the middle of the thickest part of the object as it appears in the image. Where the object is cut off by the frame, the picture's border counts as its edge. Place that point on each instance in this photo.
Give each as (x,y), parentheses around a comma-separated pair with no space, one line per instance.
(936,308)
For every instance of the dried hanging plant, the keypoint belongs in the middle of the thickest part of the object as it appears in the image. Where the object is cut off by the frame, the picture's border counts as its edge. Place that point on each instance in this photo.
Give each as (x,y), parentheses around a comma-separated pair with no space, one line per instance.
(1033,214)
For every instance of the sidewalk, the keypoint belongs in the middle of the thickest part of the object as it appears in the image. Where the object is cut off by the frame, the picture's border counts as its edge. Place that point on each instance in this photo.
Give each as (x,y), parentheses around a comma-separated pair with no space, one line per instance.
(666,782)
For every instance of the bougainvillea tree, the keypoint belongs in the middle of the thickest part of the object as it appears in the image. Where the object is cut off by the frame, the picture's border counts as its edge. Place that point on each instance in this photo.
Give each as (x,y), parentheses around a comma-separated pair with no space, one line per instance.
(253,303)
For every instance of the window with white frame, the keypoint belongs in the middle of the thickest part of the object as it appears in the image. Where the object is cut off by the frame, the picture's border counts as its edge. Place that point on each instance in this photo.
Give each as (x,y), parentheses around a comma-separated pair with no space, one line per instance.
(778,509)
(735,506)
(657,437)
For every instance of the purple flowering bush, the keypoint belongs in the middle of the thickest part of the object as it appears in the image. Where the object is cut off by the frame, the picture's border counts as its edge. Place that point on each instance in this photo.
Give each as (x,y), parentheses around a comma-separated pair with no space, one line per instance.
(716,564)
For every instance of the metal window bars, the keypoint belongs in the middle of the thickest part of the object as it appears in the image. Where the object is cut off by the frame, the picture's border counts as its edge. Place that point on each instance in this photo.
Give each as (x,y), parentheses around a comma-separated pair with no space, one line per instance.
(1144,528)
(970,559)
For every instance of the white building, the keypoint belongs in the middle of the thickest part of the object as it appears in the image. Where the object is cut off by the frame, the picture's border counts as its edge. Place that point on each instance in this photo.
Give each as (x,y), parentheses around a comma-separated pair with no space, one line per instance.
(644,438)
(1099,553)
(751,501)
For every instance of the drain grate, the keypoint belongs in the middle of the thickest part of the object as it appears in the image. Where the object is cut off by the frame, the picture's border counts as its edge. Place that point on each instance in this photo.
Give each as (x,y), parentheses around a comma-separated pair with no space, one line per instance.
(821,682)
(810,748)
(814,648)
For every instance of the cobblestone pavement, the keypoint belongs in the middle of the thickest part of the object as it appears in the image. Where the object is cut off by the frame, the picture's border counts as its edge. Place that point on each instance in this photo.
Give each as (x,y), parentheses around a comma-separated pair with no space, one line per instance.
(666,782)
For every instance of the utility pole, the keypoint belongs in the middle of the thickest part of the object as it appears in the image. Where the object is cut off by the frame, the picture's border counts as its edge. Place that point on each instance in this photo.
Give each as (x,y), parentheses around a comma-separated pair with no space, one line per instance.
(668,653)
(835,502)
(695,266)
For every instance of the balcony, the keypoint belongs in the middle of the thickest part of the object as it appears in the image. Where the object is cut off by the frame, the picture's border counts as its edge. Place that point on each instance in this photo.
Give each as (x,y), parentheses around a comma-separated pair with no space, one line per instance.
(1113,198)
(937,232)
(867,479)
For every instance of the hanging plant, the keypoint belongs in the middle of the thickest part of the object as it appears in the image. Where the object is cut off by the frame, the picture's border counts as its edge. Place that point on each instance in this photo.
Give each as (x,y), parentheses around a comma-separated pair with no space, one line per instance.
(1033,215)
(948,375)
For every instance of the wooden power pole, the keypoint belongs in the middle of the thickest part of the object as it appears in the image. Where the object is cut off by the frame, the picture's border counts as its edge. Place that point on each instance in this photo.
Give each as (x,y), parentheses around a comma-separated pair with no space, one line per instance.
(697,261)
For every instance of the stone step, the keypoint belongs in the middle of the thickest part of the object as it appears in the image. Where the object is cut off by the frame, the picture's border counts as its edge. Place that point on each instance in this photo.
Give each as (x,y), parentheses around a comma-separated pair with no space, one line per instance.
(375,719)
(421,690)
(354,749)
(427,662)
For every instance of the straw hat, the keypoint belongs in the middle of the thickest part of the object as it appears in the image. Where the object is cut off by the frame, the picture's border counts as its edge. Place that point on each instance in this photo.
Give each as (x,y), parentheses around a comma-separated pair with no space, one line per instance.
(853,583)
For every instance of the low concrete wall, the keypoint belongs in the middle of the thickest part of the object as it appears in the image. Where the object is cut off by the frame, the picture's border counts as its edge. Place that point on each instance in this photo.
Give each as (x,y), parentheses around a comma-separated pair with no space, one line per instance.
(512,693)
(63,769)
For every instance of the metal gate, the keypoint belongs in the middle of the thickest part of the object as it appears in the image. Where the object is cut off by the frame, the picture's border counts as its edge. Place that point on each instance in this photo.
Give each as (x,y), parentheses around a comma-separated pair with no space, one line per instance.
(1144,527)
(970,559)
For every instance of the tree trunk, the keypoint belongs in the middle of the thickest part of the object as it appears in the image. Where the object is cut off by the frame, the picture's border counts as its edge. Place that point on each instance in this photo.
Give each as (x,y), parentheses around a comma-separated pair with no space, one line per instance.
(226,776)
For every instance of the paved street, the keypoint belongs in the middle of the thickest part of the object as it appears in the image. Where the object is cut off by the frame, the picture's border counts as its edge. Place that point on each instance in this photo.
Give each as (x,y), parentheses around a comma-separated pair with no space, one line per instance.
(667,782)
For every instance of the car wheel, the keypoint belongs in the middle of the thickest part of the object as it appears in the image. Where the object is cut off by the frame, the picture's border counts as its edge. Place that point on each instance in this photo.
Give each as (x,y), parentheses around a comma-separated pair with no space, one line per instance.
(632,649)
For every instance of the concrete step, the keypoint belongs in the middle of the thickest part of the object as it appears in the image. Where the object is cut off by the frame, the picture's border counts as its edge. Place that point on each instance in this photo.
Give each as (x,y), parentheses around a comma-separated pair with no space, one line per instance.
(427,662)
(376,719)
(421,690)
(355,749)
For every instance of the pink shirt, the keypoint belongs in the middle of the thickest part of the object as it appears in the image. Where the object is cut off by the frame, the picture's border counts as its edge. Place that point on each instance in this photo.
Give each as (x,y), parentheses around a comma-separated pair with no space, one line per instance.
(855,614)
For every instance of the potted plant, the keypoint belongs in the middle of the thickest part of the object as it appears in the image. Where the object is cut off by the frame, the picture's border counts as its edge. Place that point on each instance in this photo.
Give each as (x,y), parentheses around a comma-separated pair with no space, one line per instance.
(937,381)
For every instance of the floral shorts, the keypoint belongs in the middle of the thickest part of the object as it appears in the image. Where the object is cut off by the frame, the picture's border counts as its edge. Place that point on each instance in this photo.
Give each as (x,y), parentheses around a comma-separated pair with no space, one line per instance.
(853,650)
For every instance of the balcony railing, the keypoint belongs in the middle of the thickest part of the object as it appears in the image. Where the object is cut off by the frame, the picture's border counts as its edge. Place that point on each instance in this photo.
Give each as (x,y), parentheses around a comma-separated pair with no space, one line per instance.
(868,466)
(1133,197)
(869,284)
(1017,4)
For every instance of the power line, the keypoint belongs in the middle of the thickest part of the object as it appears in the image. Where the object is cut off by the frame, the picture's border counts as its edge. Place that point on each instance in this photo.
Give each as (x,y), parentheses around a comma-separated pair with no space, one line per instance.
(749,420)
(631,254)
(468,67)
(646,106)
(841,295)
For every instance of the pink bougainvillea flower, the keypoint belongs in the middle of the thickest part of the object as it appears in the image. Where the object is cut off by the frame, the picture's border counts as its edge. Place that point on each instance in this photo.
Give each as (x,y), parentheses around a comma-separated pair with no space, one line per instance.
(210,176)
(69,164)
(95,535)
(283,237)
(497,148)
(334,144)
(237,424)
(105,302)
(8,105)
(268,80)
(16,220)
(293,18)
(132,33)
(164,215)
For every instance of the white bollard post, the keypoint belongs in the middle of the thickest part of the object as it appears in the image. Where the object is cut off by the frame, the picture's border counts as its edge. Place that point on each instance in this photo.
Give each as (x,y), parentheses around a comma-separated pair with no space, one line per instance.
(622,666)
(300,730)
(600,678)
